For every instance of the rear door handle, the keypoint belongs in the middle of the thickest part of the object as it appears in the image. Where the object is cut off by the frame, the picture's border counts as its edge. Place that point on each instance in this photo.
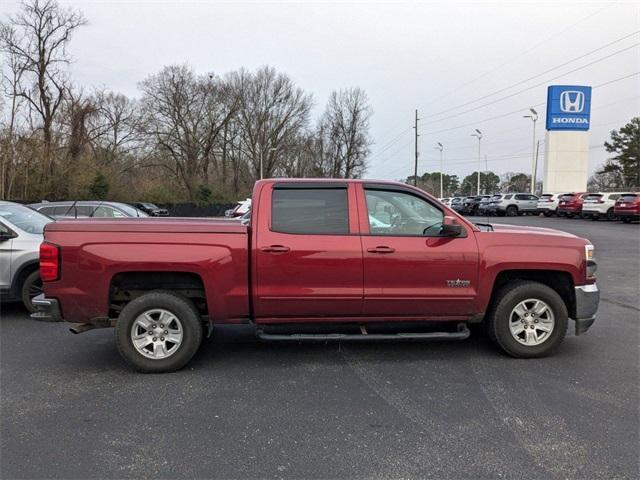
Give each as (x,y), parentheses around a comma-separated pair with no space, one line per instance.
(381,249)
(275,249)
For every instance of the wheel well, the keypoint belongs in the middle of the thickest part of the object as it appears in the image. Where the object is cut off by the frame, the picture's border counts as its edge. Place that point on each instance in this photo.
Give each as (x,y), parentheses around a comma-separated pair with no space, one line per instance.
(561,282)
(25,270)
(126,286)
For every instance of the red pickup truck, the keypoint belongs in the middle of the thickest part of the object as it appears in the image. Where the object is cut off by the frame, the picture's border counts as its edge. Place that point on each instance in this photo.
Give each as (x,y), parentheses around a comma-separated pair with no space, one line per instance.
(319,260)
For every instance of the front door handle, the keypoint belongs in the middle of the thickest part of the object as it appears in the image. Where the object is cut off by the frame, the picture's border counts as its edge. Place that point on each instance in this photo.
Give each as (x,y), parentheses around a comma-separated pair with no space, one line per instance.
(275,249)
(381,249)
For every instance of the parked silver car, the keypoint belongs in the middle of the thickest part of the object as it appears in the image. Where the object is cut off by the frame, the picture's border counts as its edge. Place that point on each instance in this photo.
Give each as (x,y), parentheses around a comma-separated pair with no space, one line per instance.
(88,209)
(512,204)
(20,237)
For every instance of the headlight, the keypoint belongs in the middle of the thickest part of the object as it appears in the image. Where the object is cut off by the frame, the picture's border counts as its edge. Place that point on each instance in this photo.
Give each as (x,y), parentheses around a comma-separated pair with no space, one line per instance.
(589,252)
(592,266)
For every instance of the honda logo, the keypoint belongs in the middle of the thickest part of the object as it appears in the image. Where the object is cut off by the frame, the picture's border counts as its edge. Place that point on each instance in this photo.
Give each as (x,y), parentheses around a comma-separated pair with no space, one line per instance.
(572,101)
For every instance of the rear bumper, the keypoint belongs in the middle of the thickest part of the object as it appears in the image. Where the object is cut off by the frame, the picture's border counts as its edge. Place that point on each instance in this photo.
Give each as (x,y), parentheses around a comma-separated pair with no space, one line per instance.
(587,301)
(591,211)
(47,309)
(570,209)
(627,214)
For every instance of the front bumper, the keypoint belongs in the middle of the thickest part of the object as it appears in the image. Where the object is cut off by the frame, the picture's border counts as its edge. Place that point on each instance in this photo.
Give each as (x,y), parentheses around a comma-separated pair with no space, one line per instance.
(587,300)
(47,309)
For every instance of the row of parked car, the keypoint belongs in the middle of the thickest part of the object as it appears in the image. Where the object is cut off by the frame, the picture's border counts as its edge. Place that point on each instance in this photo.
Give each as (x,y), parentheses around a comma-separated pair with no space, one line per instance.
(607,205)
(98,209)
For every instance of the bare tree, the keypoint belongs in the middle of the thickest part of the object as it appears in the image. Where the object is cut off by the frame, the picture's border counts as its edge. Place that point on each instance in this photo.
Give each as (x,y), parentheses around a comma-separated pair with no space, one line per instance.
(344,130)
(184,114)
(113,129)
(272,113)
(37,38)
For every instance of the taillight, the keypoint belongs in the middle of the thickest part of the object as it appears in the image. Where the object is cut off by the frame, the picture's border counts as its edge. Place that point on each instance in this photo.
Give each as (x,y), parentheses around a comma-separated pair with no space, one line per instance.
(49,262)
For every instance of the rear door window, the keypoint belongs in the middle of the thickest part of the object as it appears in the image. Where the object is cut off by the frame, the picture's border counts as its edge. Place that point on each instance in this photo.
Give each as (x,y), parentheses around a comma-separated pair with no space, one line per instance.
(322,211)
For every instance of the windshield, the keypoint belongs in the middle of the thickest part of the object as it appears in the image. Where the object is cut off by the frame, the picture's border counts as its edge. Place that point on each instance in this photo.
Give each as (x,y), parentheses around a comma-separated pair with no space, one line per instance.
(24,218)
(131,211)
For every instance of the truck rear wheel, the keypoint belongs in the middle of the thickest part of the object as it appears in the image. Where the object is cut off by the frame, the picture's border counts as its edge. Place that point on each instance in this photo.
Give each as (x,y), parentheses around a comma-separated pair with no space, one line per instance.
(528,319)
(158,332)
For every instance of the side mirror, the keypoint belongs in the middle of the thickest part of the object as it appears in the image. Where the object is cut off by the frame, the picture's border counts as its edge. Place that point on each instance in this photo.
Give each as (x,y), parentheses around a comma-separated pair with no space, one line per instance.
(4,236)
(450,227)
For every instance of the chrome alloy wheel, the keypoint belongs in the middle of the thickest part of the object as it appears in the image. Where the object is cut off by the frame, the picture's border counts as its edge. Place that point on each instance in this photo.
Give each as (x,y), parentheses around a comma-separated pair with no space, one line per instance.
(157,334)
(531,322)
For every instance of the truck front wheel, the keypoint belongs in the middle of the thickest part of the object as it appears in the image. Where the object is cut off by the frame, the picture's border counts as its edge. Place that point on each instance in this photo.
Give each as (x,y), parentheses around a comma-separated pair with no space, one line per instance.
(158,332)
(528,319)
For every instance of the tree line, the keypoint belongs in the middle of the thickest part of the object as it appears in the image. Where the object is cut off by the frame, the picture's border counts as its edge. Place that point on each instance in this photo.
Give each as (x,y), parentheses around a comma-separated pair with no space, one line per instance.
(188,136)
(490,183)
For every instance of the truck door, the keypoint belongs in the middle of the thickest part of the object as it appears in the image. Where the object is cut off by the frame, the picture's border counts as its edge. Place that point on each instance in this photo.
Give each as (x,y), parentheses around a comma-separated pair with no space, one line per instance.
(308,255)
(408,269)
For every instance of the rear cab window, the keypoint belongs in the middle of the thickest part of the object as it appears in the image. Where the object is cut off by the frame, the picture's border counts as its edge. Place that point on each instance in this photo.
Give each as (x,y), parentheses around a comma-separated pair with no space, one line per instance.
(319,211)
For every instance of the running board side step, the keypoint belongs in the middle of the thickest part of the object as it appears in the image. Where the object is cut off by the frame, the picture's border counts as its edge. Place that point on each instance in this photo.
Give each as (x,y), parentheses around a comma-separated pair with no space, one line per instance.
(461,334)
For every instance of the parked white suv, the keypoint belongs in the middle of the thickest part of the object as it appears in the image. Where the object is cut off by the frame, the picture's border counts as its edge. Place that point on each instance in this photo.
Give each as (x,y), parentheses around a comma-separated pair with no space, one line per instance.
(20,238)
(598,205)
(548,204)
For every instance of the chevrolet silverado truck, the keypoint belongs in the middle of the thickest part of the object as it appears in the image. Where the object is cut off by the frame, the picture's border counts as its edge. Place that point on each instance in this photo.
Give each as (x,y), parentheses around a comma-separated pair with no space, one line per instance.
(319,260)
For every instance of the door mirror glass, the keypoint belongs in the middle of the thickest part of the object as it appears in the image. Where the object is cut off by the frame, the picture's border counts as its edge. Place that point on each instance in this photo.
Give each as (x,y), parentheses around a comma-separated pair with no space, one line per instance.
(450,227)
(6,234)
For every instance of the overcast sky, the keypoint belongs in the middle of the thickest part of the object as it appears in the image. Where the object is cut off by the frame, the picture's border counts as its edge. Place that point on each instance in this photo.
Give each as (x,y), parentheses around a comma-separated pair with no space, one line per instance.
(432,56)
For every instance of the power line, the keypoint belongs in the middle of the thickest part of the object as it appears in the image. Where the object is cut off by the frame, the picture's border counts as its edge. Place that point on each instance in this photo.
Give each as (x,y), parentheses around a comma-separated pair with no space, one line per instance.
(520,55)
(540,74)
(534,86)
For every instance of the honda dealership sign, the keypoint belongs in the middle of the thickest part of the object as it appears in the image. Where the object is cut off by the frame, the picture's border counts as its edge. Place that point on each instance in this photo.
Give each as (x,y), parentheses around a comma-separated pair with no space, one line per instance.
(568,107)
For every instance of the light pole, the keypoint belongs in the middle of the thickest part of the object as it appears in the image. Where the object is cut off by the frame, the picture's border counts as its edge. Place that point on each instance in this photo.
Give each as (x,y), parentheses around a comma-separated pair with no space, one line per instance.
(534,117)
(478,135)
(272,149)
(441,148)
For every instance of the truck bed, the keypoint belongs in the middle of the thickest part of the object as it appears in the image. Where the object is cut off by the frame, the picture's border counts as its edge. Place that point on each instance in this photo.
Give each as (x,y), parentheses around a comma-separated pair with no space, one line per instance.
(96,254)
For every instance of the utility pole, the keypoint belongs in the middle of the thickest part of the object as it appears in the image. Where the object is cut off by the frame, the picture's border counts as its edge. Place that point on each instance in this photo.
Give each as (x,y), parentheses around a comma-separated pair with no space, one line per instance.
(415,172)
(441,148)
(478,135)
(534,152)
(535,167)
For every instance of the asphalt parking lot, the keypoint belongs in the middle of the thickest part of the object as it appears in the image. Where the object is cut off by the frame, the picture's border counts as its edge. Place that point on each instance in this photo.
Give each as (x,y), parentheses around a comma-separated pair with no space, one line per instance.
(244,409)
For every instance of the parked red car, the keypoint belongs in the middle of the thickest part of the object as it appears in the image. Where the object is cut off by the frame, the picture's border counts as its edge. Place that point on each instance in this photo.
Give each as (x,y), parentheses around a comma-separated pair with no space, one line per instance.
(321,260)
(570,204)
(627,207)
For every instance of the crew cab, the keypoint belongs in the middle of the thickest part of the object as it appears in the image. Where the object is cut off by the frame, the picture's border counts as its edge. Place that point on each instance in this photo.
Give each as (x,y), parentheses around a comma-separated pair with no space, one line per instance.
(319,260)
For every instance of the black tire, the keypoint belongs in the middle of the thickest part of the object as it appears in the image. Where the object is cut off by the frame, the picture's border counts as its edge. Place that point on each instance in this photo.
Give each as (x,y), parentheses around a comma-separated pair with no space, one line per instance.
(179,306)
(506,299)
(569,215)
(512,211)
(31,287)
(547,213)
(626,219)
(611,216)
